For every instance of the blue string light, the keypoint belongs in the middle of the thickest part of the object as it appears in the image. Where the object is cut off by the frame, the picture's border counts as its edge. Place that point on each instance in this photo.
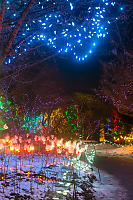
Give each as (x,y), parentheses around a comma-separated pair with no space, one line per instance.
(70,27)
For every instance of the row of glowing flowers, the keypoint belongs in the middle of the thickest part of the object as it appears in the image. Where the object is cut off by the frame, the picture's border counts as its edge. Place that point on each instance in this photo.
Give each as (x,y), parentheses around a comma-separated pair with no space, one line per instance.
(40,144)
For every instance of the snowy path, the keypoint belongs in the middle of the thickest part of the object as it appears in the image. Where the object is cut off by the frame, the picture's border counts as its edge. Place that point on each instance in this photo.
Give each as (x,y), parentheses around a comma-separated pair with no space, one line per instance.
(122,169)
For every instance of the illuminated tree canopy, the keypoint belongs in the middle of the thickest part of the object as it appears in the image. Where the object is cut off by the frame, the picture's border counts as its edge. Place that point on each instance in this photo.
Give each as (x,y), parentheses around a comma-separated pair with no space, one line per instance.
(116,85)
(32,124)
(66,122)
(114,124)
(67,26)
(57,120)
(35,124)
(4,109)
(73,120)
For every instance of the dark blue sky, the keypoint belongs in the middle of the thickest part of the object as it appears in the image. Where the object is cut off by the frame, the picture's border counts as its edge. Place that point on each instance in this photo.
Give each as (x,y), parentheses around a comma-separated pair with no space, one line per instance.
(81,77)
(58,77)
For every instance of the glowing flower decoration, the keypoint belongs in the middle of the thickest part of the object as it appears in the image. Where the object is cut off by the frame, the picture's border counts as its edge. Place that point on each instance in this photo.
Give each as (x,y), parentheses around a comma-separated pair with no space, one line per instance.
(5,126)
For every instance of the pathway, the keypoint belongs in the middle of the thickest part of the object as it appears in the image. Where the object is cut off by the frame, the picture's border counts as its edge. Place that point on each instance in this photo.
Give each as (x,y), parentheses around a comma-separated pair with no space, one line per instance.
(121,168)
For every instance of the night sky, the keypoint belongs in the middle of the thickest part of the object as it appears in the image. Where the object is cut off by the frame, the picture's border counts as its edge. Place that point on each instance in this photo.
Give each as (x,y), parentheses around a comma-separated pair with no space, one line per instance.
(58,77)
(81,77)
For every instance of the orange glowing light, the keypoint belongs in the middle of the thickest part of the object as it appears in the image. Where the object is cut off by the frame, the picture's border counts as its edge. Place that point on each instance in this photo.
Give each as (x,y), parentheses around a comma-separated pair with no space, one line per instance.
(59,151)
(11,148)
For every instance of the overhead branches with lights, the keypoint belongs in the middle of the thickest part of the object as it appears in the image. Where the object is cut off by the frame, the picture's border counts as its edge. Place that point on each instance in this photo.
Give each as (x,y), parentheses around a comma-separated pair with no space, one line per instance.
(68,26)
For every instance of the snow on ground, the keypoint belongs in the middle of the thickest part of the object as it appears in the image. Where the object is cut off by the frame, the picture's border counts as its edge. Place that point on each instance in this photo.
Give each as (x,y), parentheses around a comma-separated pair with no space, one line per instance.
(34,177)
(124,150)
(112,150)
(110,188)
(38,177)
(107,187)
(104,146)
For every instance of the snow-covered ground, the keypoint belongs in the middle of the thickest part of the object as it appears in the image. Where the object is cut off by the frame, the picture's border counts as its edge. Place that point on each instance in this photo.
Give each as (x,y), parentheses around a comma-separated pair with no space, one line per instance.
(112,186)
(107,187)
(54,175)
(112,150)
(124,151)
(36,177)
(39,177)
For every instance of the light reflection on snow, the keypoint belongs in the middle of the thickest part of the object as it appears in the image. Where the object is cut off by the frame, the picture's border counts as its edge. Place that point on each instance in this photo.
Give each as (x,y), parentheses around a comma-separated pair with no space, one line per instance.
(34,175)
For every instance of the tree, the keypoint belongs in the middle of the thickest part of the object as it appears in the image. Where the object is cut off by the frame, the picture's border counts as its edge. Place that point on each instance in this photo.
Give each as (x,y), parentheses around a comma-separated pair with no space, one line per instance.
(38,99)
(4,120)
(92,113)
(65,121)
(117,84)
(18,115)
(57,120)
(27,25)
(81,118)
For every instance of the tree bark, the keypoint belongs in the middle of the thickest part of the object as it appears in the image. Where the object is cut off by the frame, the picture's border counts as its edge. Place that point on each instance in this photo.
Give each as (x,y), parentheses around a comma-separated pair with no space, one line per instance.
(15,31)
